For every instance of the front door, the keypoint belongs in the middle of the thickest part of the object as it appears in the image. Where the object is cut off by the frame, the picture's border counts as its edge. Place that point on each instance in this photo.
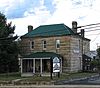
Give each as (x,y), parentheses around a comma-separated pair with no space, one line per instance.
(46,65)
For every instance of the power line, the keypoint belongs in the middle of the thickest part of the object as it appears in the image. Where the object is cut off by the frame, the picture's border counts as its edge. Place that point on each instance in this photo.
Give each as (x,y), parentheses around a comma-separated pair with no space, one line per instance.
(91,27)
(92,30)
(88,25)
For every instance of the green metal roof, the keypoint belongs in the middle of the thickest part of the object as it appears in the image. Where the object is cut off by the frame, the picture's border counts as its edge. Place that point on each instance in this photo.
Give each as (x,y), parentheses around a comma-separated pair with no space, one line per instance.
(50,30)
(42,55)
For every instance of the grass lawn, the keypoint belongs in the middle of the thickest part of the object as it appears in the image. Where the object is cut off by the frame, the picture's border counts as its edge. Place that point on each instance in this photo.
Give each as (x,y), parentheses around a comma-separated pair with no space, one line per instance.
(63,76)
(9,76)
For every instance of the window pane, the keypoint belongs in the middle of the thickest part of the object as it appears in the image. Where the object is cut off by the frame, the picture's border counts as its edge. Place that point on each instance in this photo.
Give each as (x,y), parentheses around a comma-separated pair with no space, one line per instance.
(57,43)
(44,44)
(31,44)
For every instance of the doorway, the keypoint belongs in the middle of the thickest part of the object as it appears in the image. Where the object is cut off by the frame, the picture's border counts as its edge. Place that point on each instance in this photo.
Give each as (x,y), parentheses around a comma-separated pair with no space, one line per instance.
(46,65)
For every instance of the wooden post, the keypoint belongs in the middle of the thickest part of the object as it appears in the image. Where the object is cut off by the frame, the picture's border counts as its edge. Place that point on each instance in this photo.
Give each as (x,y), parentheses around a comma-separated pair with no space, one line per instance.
(61,65)
(41,64)
(34,65)
(21,65)
(51,67)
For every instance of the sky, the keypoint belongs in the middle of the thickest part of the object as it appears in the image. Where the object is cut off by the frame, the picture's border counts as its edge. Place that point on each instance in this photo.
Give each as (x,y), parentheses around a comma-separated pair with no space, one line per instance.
(42,12)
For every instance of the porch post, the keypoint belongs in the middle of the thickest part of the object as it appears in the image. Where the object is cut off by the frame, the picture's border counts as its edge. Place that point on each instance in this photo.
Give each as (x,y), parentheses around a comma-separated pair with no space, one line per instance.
(21,65)
(61,65)
(41,64)
(34,65)
(28,65)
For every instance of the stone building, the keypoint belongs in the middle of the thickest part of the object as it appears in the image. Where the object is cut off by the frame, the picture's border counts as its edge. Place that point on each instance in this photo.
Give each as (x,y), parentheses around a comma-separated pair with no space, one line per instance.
(46,41)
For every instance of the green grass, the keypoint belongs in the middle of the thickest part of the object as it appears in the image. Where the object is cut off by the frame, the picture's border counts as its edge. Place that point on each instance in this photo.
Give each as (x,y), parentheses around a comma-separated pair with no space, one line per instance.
(9,76)
(63,76)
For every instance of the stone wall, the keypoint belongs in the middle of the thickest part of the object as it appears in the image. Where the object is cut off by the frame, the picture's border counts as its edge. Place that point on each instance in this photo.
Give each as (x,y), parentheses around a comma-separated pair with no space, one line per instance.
(76,46)
(70,49)
(76,54)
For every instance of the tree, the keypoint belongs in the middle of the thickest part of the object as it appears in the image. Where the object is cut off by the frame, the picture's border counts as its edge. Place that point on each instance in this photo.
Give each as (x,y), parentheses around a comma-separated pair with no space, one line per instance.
(96,62)
(98,52)
(8,46)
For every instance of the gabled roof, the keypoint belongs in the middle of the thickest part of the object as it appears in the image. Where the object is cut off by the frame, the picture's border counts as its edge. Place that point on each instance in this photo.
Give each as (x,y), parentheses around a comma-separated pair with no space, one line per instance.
(50,30)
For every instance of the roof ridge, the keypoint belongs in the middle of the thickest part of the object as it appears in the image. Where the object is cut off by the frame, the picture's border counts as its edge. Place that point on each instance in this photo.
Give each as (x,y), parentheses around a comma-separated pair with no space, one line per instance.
(52,24)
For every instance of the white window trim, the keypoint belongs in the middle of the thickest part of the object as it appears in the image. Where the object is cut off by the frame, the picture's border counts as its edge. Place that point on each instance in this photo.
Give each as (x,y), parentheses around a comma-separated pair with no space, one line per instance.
(31,45)
(44,48)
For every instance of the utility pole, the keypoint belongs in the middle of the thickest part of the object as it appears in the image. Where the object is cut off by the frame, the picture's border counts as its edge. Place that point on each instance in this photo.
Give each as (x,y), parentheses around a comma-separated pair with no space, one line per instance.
(82,35)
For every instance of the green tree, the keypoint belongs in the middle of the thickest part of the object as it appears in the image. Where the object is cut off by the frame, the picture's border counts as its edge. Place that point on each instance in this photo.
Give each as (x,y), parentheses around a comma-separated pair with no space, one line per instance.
(8,46)
(98,55)
(96,62)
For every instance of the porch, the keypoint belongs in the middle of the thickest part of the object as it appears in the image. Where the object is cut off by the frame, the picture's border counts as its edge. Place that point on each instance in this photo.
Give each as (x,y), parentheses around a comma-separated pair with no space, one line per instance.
(38,63)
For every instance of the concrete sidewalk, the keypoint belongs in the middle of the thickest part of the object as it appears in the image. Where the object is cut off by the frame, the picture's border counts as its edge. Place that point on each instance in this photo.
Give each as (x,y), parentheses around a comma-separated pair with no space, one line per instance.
(52,86)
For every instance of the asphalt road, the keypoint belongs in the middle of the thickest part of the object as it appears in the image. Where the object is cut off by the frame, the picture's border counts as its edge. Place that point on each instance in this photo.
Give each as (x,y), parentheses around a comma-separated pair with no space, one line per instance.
(94,80)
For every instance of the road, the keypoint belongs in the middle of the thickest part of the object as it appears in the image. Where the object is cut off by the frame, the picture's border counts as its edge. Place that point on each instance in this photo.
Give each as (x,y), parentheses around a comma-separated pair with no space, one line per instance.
(93,80)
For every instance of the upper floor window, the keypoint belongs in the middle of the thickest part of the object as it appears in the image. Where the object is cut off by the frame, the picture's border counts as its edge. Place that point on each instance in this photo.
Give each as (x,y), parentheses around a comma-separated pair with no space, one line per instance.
(57,44)
(44,44)
(32,44)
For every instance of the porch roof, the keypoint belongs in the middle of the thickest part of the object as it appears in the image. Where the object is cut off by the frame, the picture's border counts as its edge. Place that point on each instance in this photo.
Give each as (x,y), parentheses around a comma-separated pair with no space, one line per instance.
(42,55)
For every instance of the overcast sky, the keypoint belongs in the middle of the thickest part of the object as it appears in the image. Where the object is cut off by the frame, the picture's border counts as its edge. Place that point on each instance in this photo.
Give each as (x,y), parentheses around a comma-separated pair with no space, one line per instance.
(41,12)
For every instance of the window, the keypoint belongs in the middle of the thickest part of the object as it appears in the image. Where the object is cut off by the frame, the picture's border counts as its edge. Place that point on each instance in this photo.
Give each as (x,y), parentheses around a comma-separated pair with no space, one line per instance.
(57,44)
(32,44)
(44,44)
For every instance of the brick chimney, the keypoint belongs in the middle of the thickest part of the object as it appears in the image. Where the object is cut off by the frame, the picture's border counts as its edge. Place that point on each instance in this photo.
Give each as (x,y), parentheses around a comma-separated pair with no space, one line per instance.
(74,26)
(30,28)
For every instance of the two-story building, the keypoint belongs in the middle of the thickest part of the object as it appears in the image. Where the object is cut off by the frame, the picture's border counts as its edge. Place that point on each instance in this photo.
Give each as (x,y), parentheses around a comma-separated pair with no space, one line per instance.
(45,42)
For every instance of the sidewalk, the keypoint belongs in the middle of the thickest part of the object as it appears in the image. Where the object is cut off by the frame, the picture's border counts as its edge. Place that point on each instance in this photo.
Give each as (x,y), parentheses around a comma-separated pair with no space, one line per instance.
(53,86)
